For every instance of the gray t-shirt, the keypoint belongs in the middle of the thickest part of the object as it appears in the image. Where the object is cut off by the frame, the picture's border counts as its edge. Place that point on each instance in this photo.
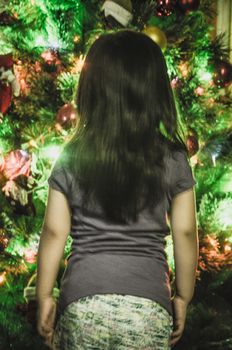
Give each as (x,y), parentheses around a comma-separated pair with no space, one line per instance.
(124,258)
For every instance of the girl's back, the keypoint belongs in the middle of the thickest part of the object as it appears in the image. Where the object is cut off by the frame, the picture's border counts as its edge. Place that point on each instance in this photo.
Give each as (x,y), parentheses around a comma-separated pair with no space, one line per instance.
(123,174)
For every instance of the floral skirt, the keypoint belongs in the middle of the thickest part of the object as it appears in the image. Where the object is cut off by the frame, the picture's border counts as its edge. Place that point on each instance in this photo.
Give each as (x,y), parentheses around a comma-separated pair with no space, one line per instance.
(113,322)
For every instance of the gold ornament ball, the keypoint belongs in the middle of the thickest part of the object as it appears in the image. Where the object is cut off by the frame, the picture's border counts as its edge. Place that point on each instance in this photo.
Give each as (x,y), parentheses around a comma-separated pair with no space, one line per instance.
(157,35)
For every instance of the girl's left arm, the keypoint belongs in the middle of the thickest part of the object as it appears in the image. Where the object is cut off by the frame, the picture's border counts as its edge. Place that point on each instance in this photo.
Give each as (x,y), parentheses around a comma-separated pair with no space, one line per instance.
(56,228)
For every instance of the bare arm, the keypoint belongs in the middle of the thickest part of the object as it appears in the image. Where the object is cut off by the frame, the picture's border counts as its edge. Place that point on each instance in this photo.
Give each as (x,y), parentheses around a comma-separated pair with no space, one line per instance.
(56,229)
(185,241)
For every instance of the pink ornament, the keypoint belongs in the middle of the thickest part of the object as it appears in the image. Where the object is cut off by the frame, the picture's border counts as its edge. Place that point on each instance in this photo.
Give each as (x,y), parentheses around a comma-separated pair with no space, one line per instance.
(175,83)
(30,256)
(199,91)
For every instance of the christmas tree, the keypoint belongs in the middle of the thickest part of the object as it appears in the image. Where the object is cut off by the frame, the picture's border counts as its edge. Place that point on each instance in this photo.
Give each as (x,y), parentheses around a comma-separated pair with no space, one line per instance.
(43,44)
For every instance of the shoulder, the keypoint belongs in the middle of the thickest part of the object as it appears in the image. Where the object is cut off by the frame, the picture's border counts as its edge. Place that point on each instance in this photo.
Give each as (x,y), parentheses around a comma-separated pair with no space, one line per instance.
(60,176)
(176,153)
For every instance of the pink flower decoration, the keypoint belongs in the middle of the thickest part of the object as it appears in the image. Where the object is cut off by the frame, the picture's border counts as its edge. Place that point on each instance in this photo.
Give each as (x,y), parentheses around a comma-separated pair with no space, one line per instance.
(17,163)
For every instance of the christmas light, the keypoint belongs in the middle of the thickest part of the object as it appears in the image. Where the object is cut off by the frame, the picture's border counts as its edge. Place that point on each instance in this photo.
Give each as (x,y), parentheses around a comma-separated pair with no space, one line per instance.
(23,84)
(53,43)
(223,213)
(51,152)
(58,127)
(213,242)
(199,91)
(32,143)
(184,69)
(79,62)
(204,76)
(194,160)
(76,38)
(2,278)
(40,41)
(225,184)
(210,102)
(227,248)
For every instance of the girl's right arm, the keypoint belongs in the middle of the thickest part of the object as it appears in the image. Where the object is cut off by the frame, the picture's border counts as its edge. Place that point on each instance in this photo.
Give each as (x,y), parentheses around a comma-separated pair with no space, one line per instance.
(185,241)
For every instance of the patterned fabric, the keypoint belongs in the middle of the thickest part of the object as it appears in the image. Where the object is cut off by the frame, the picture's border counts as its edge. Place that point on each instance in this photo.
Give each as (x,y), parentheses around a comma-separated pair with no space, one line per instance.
(113,322)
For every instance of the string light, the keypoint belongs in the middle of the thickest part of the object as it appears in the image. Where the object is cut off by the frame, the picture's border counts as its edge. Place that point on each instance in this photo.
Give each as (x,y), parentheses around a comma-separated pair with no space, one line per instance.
(223,213)
(227,248)
(79,62)
(32,143)
(184,69)
(204,76)
(76,39)
(2,278)
(52,152)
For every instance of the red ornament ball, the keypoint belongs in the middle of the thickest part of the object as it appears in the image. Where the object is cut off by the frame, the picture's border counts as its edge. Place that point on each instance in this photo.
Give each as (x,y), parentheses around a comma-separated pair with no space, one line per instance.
(66,115)
(165,7)
(188,5)
(6,19)
(222,76)
(192,143)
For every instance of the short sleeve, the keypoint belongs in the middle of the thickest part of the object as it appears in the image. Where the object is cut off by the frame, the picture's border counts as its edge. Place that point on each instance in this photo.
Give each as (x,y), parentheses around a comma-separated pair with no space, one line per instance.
(59,179)
(182,179)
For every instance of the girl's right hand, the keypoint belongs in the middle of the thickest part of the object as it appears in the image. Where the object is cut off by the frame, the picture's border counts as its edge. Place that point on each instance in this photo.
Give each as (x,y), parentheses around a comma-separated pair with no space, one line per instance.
(180,310)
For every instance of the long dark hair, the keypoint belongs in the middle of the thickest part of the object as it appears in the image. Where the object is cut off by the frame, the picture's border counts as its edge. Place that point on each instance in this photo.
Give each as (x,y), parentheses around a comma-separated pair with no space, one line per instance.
(127,121)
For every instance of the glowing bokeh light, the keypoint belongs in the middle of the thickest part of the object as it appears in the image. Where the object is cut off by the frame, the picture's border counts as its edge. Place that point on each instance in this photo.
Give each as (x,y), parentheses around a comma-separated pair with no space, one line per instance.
(225,184)
(2,278)
(223,213)
(204,76)
(51,152)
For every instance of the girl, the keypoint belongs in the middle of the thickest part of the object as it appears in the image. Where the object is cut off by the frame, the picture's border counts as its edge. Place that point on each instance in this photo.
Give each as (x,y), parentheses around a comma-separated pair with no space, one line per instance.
(121,184)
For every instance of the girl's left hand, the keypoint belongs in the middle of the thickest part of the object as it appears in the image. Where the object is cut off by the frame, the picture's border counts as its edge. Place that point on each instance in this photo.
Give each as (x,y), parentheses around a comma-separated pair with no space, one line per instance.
(46,318)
